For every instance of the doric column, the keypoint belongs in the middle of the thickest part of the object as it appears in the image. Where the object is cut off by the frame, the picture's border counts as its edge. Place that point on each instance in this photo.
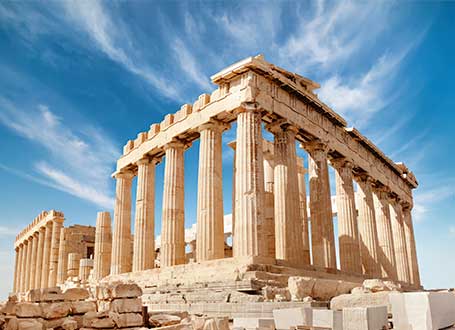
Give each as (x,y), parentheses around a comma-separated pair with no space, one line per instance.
(33,260)
(269,209)
(121,238)
(46,254)
(73,264)
(27,264)
(385,236)
(23,250)
(55,244)
(301,171)
(399,241)
(62,258)
(249,181)
(173,220)
(103,246)
(367,228)
(322,234)
(233,145)
(411,245)
(288,224)
(16,269)
(85,266)
(210,226)
(39,258)
(348,233)
(144,227)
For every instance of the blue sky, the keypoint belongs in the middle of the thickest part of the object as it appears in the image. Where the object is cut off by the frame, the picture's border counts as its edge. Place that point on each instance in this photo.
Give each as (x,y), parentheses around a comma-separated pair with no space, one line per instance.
(78,79)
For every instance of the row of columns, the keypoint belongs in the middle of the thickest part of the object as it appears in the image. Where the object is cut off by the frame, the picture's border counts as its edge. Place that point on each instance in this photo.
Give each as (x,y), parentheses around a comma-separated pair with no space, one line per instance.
(37,258)
(380,218)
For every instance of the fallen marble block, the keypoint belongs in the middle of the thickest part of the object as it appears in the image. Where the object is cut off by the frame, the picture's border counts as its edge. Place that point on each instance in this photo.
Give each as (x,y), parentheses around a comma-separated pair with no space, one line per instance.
(254,323)
(423,310)
(292,317)
(326,318)
(365,318)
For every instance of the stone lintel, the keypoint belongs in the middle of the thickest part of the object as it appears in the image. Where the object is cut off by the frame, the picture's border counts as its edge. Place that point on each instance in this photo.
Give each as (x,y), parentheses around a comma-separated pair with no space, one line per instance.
(38,223)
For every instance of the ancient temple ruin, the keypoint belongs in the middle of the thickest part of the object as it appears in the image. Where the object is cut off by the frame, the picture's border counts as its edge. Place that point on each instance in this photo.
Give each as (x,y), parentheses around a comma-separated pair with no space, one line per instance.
(274,232)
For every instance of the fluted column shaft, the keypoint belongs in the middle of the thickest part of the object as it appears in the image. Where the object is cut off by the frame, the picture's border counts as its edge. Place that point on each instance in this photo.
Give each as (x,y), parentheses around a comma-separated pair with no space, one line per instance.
(39,257)
(269,204)
(249,181)
(367,228)
(399,241)
(303,212)
(322,234)
(33,264)
(348,233)
(22,267)
(411,246)
(16,269)
(103,246)
(233,145)
(28,263)
(46,255)
(73,264)
(288,224)
(121,238)
(385,235)
(55,245)
(210,226)
(144,228)
(62,258)
(173,220)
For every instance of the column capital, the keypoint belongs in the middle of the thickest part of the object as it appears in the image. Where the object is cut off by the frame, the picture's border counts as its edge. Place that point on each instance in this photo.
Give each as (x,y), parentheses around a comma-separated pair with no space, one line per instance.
(381,190)
(405,205)
(342,162)
(315,145)
(42,229)
(214,124)
(365,178)
(146,160)
(281,125)
(176,144)
(248,106)
(124,174)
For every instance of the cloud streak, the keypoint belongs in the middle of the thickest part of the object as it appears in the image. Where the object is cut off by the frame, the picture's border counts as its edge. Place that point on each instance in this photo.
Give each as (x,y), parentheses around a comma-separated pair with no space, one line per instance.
(80,160)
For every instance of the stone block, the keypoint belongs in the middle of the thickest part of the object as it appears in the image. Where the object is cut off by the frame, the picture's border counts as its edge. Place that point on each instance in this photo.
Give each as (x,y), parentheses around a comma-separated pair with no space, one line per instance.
(126,305)
(162,320)
(74,294)
(29,324)
(360,300)
(97,320)
(300,287)
(423,310)
(324,289)
(154,130)
(45,295)
(292,317)
(82,307)
(69,324)
(254,323)
(375,285)
(126,291)
(126,320)
(55,310)
(28,309)
(327,318)
(365,318)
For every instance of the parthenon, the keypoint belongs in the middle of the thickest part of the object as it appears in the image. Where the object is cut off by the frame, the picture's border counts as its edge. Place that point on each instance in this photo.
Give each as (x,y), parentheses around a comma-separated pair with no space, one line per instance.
(282,213)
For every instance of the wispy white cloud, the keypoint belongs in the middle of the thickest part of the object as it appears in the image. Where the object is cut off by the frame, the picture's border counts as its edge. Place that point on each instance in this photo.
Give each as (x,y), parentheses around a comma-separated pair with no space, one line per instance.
(425,200)
(80,160)
(189,64)
(116,43)
(357,99)
(331,33)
